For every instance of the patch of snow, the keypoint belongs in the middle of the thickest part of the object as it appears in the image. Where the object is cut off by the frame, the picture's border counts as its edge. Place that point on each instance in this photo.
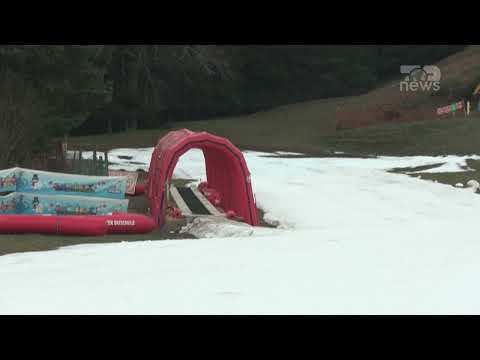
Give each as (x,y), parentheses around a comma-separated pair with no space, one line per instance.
(221,227)
(450,164)
(191,165)
(194,163)
(125,159)
(473,185)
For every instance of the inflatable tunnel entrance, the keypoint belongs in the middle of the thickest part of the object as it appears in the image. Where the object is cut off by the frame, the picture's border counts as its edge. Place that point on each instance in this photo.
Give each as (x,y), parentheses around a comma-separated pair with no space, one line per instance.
(226,169)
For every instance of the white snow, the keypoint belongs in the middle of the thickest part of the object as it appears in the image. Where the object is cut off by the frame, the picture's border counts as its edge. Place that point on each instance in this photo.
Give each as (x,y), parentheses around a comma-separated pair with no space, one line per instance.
(220,227)
(473,185)
(135,159)
(125,159)
(353,239)
(140,159)
(450,163)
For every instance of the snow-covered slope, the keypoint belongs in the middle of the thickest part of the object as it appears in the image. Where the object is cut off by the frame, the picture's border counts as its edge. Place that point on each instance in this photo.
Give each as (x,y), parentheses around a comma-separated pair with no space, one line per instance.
(353,239)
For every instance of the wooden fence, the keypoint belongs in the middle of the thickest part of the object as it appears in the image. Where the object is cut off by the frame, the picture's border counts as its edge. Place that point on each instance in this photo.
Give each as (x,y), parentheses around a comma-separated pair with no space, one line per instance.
(72,163)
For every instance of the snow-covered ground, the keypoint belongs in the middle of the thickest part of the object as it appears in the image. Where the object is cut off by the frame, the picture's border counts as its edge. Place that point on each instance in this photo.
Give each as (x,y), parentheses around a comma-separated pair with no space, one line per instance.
(139,159)
(352,239)
(125,159)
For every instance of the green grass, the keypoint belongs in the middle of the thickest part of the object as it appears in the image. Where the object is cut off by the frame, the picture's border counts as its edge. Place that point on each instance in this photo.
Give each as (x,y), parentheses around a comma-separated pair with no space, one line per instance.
(284,130)
(294,127)
(448,136)
(405,170)
(10,244)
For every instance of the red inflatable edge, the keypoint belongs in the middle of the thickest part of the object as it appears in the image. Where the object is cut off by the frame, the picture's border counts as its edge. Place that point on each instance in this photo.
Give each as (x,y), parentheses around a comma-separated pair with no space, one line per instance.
(119,223)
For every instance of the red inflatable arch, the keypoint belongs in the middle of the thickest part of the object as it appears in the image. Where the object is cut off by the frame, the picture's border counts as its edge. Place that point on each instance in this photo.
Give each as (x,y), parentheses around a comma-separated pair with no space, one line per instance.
(226,170)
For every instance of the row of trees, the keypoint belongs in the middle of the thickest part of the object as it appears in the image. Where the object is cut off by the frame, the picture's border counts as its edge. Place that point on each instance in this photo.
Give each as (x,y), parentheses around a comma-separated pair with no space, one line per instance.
(158,84)
(53,90)
(46,91)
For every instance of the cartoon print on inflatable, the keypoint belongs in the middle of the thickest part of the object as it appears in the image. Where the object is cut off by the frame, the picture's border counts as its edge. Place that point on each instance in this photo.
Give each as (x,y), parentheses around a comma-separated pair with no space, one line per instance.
(8,181)
(67,184)
(36,185)
(74,205)
(7,205)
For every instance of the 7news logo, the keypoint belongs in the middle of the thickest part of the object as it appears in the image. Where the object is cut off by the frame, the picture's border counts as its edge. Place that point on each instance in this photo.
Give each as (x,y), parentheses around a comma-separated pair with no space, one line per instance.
(418,77)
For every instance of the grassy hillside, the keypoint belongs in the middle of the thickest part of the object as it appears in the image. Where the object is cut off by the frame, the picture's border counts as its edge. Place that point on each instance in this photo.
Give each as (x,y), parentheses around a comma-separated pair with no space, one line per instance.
(460,75)
(311,127)
(459,135)
(268,132)
(297,127)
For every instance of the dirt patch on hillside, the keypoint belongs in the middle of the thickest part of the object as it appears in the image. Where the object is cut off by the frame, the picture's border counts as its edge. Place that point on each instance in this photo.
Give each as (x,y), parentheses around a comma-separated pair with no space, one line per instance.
(389,104)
